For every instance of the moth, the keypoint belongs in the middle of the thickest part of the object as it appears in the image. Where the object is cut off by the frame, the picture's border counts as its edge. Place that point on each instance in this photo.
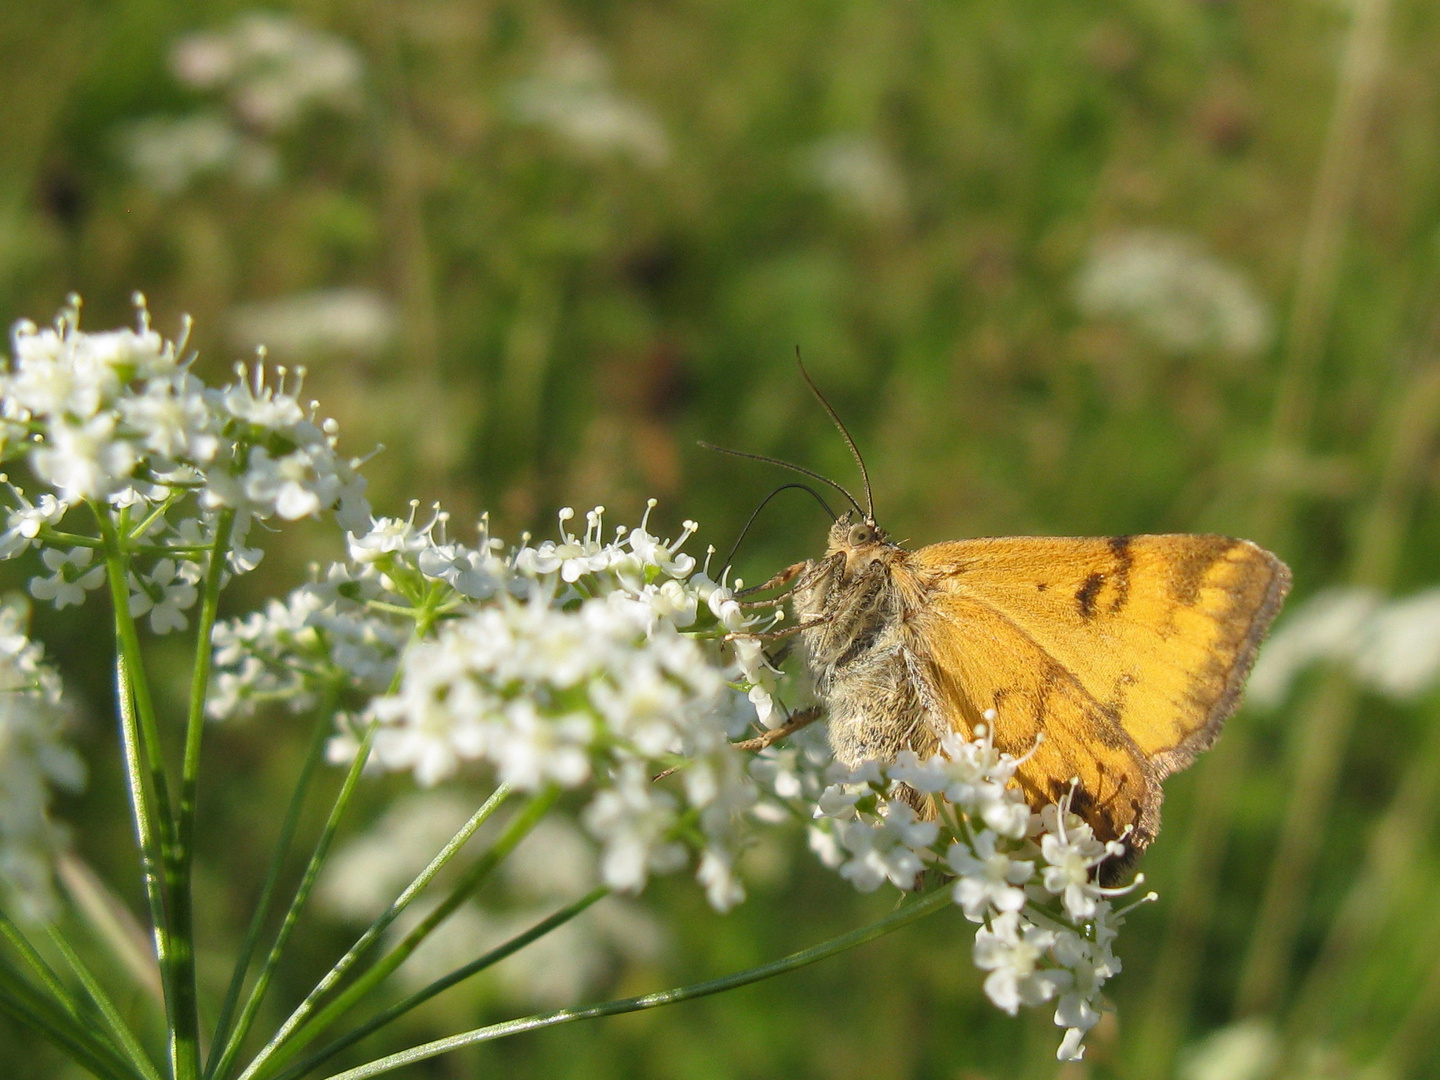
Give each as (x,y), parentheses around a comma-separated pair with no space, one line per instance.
(1109,662)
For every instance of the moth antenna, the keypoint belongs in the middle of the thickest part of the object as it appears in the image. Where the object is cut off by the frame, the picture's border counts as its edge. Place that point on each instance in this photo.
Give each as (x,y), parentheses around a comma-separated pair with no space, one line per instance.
(784,465)
(783,487)
(855,450)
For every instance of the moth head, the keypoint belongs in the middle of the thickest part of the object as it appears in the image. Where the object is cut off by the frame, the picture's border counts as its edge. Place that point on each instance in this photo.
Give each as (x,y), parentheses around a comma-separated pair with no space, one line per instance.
(855,535)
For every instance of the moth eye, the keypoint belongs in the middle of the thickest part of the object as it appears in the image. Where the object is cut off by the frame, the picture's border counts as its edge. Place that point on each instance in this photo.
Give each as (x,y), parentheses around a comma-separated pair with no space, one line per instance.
(861,534)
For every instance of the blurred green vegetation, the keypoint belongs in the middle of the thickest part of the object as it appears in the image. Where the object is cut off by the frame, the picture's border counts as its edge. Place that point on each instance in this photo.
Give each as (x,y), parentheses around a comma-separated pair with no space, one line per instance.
(571,314)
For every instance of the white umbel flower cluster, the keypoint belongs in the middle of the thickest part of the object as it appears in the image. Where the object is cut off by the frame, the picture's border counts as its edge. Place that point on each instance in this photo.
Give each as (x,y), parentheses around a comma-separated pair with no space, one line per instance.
(582,662)
(117,420)
(34,759)
(1029,880)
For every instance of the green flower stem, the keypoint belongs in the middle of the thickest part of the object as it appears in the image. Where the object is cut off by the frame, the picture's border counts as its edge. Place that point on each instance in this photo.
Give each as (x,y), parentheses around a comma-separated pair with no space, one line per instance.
(110,922)
(23,1003)
(200,681)
(272,877)
(43,971)
(518,828)
(56,538)
(135,532)
(907,914)
(226,1060)
(149,803)
(392,609)
(181,856)
(118,1029)
(368,938)
(460,974)
(117,570)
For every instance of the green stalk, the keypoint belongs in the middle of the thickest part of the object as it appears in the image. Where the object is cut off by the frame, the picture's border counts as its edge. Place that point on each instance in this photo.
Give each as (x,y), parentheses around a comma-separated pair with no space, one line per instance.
(460,974)
(1413,1040)
(110,920)
(1322,249)
(518,828)
(178,866)
(137,531)
(43,971)
(226,1059)
(1379,892)
(907,914)
(21,1001)
(301,1015)
(118,1029)
(221,1065)
(1326,719)
(221,1037)
(149,808)
(117,564)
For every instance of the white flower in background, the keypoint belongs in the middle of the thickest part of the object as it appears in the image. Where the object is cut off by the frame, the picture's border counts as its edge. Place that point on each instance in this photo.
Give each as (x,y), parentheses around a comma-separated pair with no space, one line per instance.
(272,69)
(1325,627)
(352,321)
(636,824)
(171,153)
(1393,646)
(34,759)
(270,73)
(573,98)
(1182,298)
(1248,1050)
(1399,655)
(891,848)
(1045,924)
(795,769)
(858,173)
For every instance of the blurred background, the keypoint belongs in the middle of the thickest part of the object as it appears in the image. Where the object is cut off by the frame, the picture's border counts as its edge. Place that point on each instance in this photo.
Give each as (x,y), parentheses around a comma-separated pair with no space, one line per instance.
(1082,268)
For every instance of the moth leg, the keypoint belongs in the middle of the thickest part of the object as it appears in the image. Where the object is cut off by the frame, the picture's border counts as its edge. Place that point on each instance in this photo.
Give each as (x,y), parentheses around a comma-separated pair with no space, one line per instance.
(854,612)
(784,577)
(802,719)
(758,604)
(776,635)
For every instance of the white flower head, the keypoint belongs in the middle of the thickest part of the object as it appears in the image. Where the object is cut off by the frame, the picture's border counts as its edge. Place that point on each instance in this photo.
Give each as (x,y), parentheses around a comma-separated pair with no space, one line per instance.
(1013,951)
(35,759)
(165,593)
(1030,881)
(580,663)
(988,877)
(71,576)
(25,519)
